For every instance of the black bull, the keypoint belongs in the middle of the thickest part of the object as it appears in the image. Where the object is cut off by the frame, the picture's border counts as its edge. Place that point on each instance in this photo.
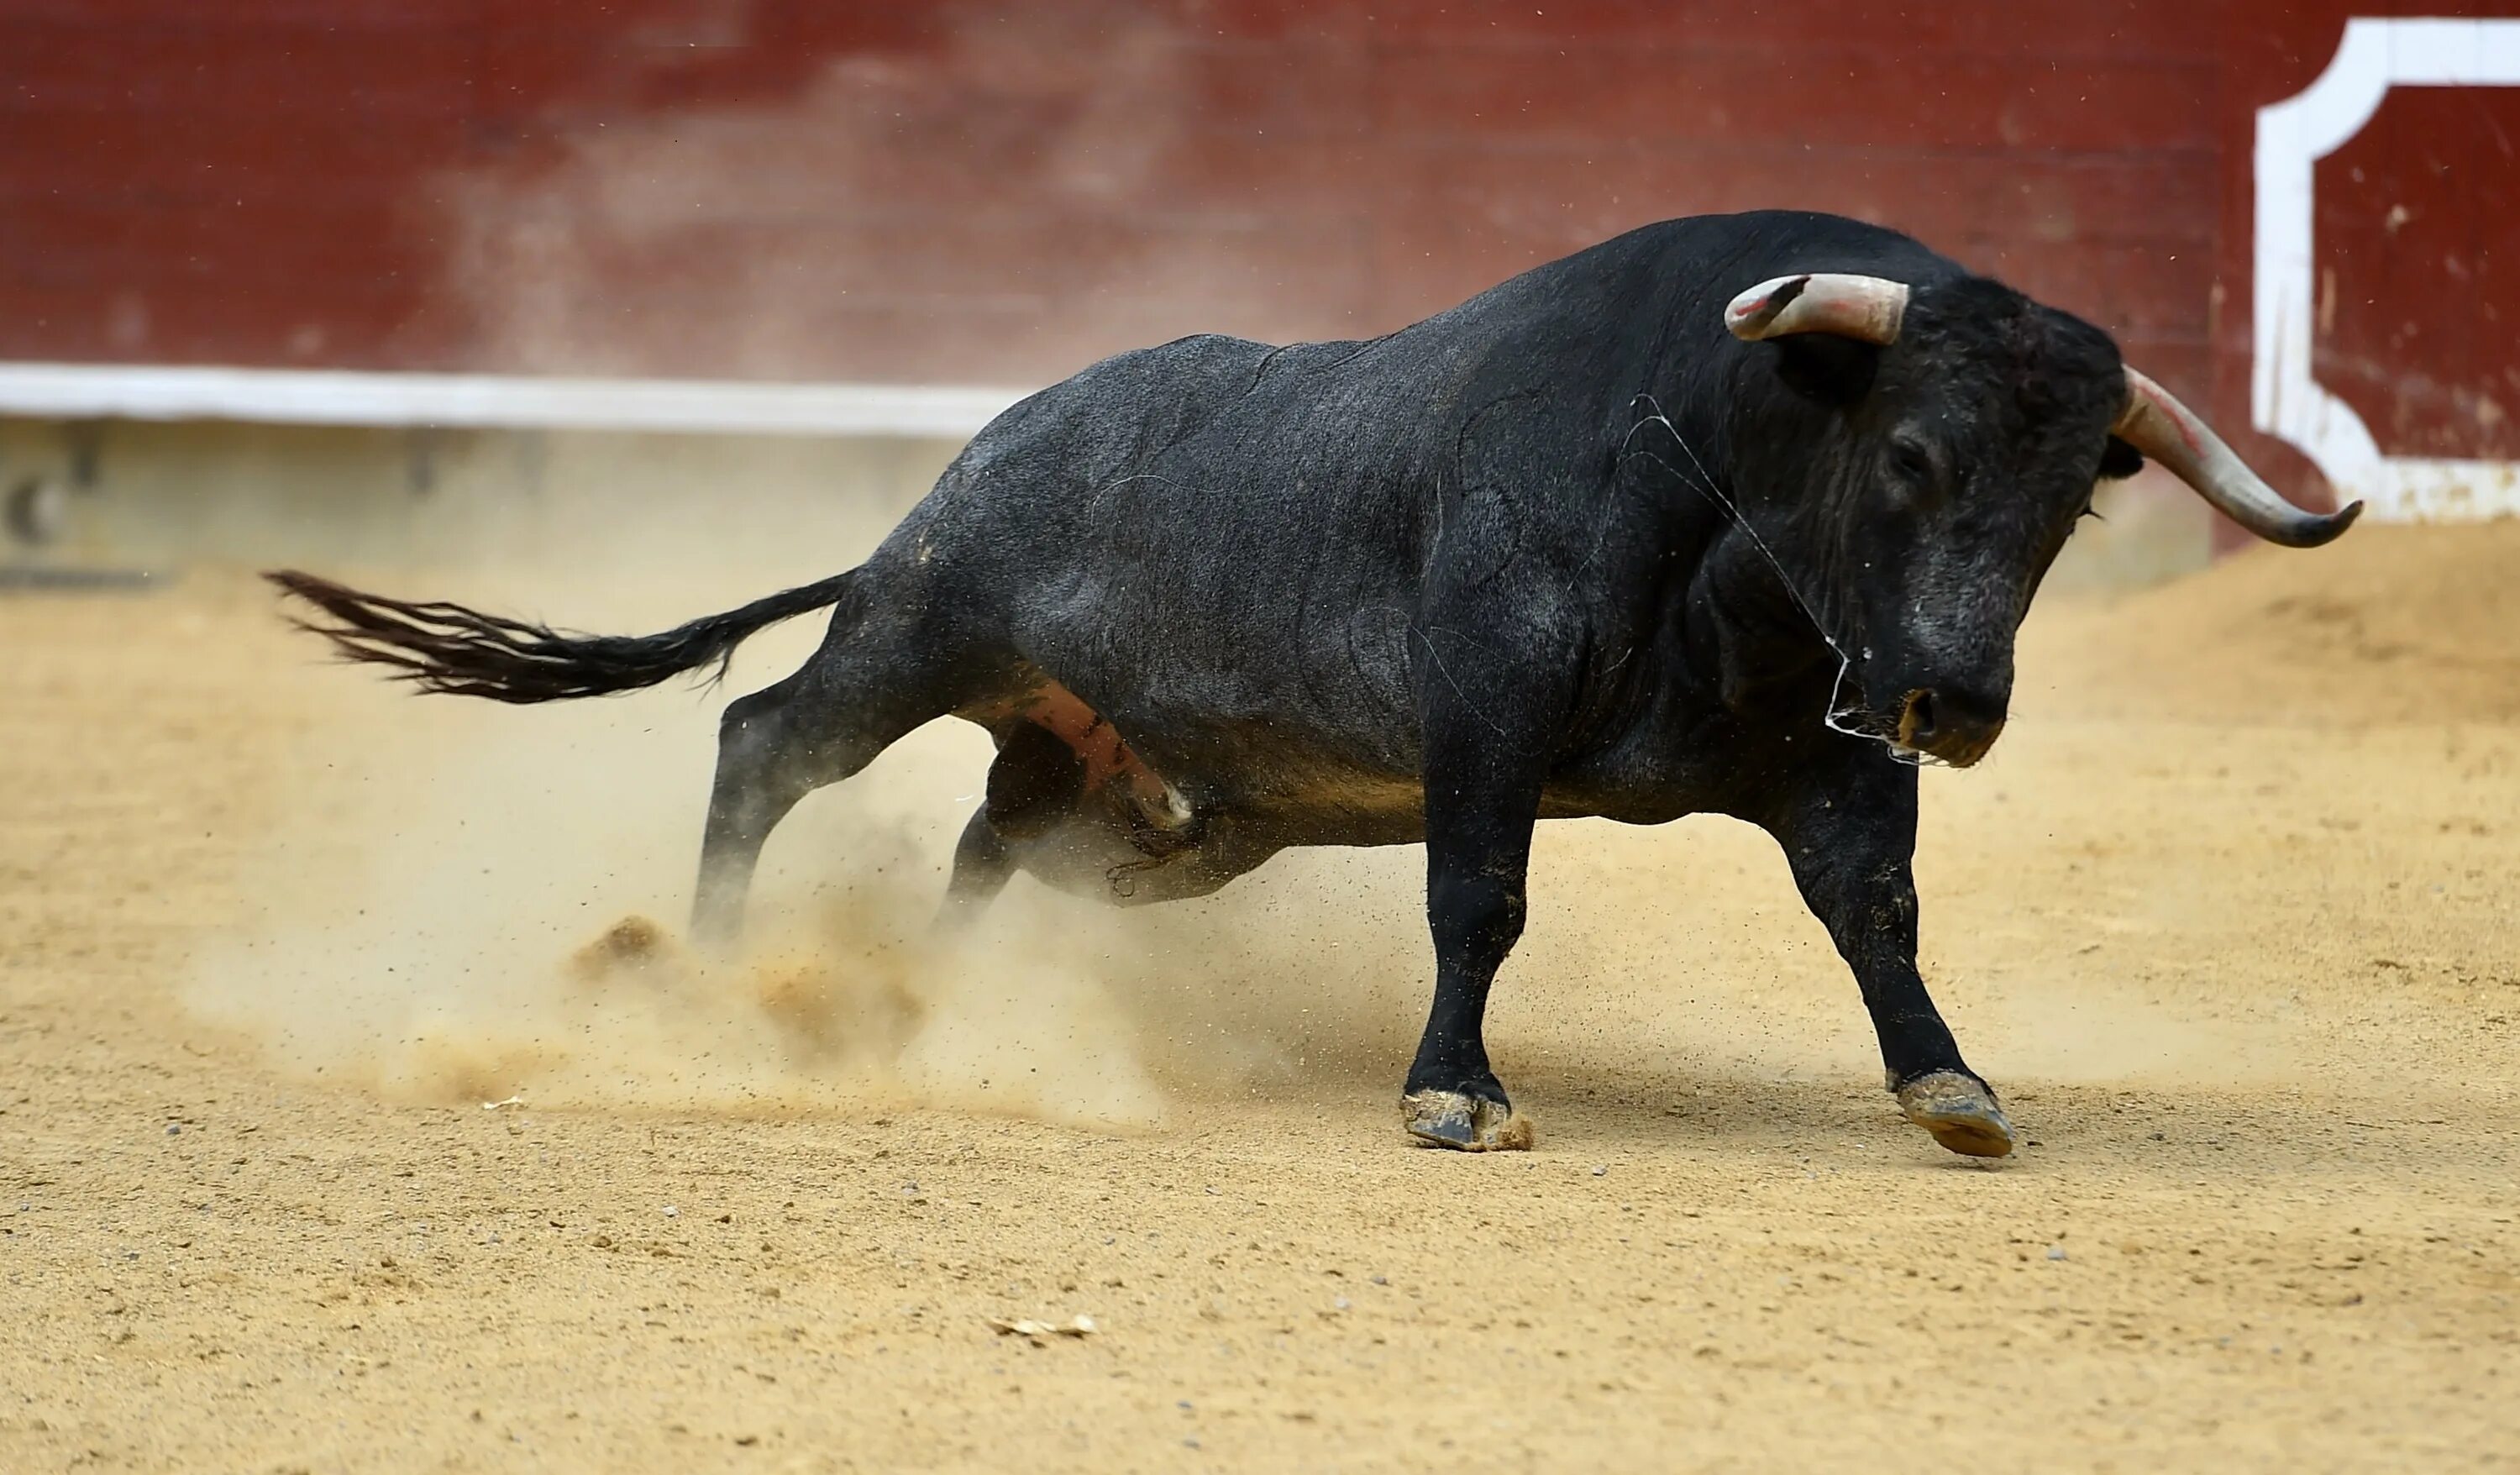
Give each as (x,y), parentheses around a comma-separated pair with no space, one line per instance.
(1733,514)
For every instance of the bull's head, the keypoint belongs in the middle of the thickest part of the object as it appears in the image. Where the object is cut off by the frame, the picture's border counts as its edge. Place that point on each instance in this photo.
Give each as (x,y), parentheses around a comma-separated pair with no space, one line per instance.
(1944,442)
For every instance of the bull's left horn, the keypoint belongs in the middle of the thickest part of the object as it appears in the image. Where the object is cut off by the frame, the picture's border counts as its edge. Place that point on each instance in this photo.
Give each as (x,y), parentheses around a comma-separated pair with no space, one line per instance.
(2161,428)
(1865,308)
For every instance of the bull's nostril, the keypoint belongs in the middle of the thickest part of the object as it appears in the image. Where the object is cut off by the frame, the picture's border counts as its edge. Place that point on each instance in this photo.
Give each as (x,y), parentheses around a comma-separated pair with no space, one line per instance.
(1916,721)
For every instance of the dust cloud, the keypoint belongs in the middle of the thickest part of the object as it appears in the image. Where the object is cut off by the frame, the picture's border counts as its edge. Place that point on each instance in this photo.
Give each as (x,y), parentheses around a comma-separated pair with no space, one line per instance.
(467,902)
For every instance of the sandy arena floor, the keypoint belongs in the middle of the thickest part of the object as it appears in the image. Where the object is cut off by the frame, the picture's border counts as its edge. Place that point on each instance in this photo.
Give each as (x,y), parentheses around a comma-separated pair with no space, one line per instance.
(2228,917)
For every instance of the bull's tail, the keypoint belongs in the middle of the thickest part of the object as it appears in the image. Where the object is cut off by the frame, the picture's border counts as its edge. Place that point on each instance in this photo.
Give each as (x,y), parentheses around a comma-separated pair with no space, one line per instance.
(450,649)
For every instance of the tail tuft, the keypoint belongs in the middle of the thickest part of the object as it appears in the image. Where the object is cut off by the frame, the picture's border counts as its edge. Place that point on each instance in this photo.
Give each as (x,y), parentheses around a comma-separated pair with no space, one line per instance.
(460,651)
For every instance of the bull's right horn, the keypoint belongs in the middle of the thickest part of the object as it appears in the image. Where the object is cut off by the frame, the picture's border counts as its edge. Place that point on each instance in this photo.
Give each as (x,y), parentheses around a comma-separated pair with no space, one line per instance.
(1865,308)
(2161,428)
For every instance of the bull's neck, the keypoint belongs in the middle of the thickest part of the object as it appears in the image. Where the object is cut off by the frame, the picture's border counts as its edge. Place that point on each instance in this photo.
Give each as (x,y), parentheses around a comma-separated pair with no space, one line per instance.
(1752,629)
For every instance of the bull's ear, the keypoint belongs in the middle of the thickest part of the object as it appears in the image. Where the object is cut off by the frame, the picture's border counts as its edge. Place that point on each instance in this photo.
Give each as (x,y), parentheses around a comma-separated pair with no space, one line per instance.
(2119,461)
(1824,367)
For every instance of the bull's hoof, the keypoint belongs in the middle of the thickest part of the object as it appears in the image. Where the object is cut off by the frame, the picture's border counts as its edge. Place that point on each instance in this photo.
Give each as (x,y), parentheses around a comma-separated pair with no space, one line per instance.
(1463,1123)
(1960,1111)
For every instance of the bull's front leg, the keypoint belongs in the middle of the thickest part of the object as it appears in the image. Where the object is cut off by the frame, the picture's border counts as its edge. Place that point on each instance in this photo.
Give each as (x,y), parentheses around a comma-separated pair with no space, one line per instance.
(1483,785)
(1849,829)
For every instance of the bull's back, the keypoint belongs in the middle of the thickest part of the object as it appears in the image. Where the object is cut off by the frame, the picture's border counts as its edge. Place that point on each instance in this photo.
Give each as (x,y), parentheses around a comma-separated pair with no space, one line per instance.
(1215,544)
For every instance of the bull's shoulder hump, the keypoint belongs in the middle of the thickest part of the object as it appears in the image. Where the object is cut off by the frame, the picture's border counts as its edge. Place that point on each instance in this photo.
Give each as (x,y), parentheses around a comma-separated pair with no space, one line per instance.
(1182,364)
(1163,390)
(1166,373)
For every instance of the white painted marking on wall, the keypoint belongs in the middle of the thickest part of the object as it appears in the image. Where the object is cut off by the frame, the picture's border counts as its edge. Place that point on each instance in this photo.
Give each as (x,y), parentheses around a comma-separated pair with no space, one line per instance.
(344,398)
(2293,135)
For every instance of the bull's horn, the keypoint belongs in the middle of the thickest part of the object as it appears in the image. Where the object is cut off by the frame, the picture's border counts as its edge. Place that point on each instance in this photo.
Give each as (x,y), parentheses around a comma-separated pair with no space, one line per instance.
(2169,432)
(1867,308)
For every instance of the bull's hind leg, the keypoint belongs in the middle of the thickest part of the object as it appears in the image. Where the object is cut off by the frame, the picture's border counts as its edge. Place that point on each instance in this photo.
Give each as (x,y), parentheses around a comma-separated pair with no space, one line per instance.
(982,866)
(866,686)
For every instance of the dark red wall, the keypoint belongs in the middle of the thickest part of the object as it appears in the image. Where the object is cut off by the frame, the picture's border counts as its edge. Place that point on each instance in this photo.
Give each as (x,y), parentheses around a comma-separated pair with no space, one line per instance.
(2419,235)
(999,193)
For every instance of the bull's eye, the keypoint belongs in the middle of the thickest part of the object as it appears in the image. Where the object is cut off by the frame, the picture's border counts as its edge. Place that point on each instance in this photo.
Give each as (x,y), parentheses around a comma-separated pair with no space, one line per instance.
(1909,463)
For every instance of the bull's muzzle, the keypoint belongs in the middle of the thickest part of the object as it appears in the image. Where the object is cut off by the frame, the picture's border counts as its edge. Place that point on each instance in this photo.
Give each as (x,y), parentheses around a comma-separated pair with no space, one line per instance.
(1951,723)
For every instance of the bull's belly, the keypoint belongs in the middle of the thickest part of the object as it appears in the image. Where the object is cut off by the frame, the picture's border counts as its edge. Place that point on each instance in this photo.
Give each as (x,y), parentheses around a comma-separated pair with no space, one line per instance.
(1086,854)
(1079,808)
(1129,844)
(1103,852)
(1276,768)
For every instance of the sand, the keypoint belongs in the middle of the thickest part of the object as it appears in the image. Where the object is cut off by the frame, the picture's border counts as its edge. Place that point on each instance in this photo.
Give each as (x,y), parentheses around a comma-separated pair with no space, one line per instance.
(2227,917)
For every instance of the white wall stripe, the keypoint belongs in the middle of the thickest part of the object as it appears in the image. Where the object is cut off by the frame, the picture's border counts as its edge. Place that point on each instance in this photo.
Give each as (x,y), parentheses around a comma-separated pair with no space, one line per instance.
(342,397)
